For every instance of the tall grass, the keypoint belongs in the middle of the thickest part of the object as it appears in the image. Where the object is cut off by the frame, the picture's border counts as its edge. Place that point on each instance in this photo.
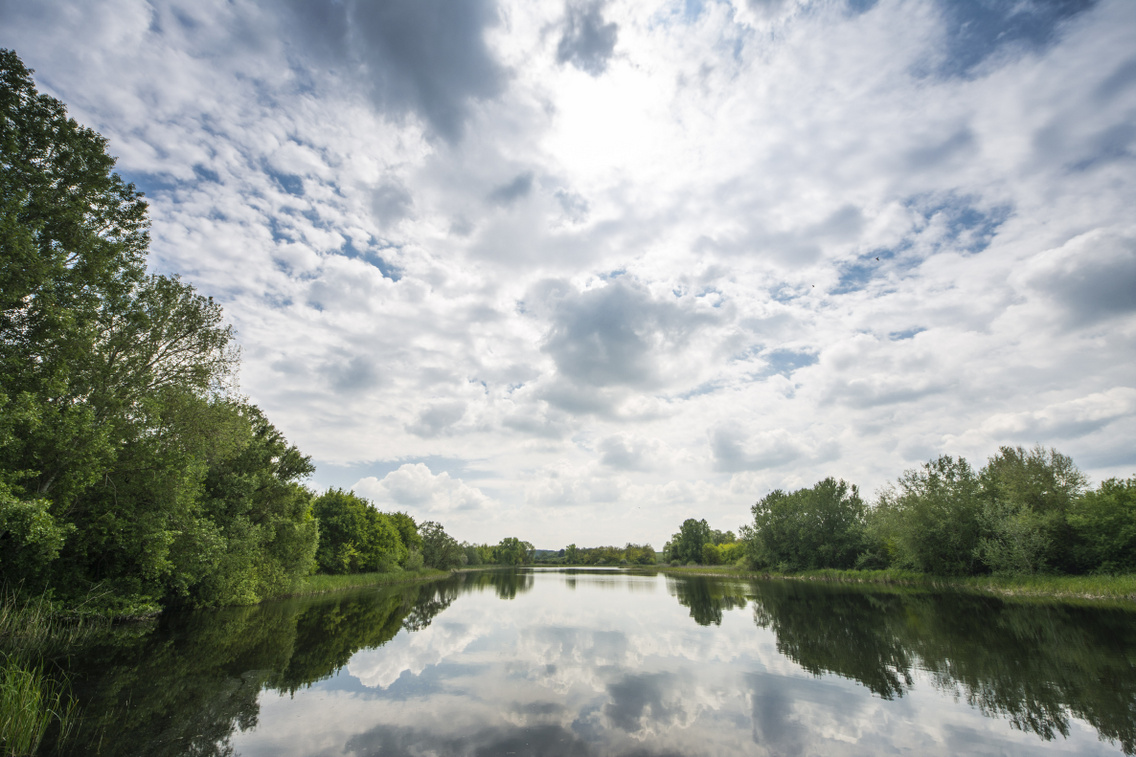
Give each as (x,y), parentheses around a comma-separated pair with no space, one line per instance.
(31,701)
(324,584)
(1093,587)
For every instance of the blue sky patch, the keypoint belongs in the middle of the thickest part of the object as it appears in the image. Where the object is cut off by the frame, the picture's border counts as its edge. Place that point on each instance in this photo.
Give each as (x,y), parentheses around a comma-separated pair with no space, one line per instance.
(975,30)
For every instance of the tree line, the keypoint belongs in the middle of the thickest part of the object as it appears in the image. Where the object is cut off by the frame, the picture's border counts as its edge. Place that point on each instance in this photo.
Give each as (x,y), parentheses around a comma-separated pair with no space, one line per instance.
(132,473)
(1026,511)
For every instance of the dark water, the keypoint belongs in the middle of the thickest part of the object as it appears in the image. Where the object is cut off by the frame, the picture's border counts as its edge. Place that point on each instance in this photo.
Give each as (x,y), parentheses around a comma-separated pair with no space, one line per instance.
(548,662)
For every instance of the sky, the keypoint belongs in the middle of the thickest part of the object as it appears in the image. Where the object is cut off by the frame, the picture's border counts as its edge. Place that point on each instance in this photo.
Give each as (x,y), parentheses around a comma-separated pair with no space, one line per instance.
(577,271)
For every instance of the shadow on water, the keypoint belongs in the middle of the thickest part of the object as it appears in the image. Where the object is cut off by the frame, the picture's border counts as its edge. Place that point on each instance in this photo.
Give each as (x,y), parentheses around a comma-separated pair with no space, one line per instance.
(1035,664)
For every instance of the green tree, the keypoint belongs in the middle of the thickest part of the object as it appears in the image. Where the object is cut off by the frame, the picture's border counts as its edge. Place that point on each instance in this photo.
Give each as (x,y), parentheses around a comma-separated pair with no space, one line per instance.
(356,538)
(1104,522)
(439,549)
(72,243)
(123,461)
(513,551)
(686,545)
(1026,495)
(820,527)
(930,520)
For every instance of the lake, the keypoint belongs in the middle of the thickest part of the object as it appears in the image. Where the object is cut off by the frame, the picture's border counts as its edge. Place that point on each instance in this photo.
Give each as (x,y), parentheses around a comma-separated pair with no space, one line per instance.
(608,662)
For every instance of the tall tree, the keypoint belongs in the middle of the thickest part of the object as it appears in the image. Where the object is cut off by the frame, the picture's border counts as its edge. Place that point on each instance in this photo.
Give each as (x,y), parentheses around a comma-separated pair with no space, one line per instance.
(686,545)
(124,462)
(819,527)
(930,520)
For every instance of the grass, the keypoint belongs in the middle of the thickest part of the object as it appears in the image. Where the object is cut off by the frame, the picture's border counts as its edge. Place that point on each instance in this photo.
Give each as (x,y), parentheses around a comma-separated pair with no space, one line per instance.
(31,701)
(30,704)
(325,584)
(1122,588)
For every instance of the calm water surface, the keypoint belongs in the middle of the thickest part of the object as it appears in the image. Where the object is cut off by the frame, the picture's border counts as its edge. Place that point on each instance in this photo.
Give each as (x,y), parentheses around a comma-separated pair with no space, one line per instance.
(575,662)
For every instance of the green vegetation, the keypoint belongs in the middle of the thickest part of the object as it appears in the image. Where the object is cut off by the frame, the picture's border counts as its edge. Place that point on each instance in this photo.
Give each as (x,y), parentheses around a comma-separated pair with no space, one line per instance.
(630,554)
(1025,513)
(322,583)
(1023,525)
(34,701)
(821,527)
(132,476)
(129,470)
(30,704)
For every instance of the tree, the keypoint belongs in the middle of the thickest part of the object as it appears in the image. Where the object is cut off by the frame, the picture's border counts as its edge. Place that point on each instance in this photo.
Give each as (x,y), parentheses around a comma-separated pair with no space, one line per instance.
(820,527)
(686,545)
(1026,496)
(124,461)
(1104,522)
(439,549)
(513,551)
(930,520)
(72,241)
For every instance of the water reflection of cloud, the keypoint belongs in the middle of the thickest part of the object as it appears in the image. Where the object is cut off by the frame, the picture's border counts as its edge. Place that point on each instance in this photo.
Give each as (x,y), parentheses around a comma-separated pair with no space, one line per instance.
(592,672)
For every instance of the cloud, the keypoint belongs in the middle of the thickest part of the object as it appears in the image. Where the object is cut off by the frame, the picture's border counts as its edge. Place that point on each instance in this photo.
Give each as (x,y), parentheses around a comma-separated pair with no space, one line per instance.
(629,453)
(508,193)
(437,418)
(974,31)
(616,335)
(1093,276)
(587,42)
(599,255)
(429,57)
(414,488)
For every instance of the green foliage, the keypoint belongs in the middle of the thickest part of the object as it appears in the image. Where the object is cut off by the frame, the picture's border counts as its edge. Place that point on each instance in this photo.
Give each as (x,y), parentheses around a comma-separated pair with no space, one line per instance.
(357,538)
(931,519)
(630,554)
(513,551)
(1026,496)
(439,549)
(123,462)
(30,703)
(711,555)
(686,545)
(30,538)
(821,527)
(1104,522)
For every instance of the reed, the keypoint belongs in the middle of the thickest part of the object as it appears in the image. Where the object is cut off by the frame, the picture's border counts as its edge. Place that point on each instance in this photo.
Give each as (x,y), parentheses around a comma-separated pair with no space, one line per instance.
(325,584)
(31,703)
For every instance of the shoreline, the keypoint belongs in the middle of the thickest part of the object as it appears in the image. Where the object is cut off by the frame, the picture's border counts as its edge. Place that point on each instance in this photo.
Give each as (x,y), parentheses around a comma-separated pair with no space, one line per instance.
(1093,589)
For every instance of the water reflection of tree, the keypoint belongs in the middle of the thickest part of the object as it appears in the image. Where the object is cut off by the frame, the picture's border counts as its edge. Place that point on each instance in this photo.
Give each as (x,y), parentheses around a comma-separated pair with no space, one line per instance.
(847,634)
(706,597)
(507,583)
(1037,665)
(185,685)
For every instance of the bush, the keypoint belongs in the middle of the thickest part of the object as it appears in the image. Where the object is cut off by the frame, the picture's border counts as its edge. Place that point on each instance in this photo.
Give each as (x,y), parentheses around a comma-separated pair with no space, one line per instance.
(413,560)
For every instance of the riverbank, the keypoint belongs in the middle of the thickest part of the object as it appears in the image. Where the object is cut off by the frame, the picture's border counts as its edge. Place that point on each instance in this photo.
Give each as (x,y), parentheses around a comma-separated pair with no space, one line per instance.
(1093,588)
(326,584)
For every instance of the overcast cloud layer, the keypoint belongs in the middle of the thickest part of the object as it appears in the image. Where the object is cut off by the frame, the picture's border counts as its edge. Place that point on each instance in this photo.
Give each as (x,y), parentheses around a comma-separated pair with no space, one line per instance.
(577,271)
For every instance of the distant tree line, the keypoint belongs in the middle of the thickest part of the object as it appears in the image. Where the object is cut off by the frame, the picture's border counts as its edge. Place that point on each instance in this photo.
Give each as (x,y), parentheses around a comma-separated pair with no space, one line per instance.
(629,554)
(1026,511)
(510,551)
